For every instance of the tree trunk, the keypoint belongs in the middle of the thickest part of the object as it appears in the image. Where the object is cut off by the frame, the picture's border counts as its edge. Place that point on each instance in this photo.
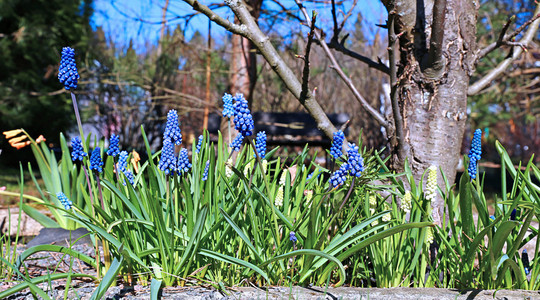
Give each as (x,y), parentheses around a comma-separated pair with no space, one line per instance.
(433,103)
(243,68)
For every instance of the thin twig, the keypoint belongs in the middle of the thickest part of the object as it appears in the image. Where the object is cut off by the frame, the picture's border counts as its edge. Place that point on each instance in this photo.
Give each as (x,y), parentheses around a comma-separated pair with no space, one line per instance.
(372,111)
(479,85)
(505,40)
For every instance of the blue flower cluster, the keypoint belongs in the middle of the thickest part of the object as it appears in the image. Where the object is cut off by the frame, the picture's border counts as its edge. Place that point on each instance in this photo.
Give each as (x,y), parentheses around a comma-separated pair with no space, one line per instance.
(337,144)
(78,151)
(114,150)
(243,121)
(167,163)
(228,110)
(260,144)
(292,237)
(122,161)
(122,166)
(64,200)
(96,163)
(206,168)
(183,161)
(199,144)
(475,153)
(67,72)
(356,162)
(237,142)
(172,129)
(130,177)
(340,176)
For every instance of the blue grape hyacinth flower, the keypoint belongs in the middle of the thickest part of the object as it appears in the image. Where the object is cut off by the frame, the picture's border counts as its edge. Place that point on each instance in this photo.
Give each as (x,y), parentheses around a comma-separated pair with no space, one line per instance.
(292,237)
(96,163)
(237,142)
(183,161)
(130,177)
(168,161)
(475,153)
(172,128)
(64,200)
(206,169)
(114,150)
(340,176)
(228,110)
(67,72)
(199,144)
(78,151)
(476,145)
(243,120)
(355,161)
(122,161)
(337,144)
(260,144)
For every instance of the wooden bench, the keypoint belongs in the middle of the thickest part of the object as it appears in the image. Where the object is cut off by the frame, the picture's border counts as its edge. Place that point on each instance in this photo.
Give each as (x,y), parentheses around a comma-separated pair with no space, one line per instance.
(287,129)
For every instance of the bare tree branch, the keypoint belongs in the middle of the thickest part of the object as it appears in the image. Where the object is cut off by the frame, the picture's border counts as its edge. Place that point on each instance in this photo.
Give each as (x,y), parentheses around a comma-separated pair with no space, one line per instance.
(305,73)
(372,111)
(504,40)
(340,46)
(251,30)
(398,138)
(435,62)
(476,87)
(234,28)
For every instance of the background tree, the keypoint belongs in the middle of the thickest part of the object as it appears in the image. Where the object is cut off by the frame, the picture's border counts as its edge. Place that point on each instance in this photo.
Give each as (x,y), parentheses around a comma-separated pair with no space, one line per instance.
(32,34)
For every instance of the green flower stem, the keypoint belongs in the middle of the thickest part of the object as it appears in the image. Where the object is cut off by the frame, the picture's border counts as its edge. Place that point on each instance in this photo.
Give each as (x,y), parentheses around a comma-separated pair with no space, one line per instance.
(348,195)
(78,117)
(90,190)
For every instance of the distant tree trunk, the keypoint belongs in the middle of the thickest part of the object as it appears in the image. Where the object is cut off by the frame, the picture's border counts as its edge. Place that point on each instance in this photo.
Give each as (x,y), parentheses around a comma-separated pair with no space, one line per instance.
(243,69)
(431,88)
(244,61)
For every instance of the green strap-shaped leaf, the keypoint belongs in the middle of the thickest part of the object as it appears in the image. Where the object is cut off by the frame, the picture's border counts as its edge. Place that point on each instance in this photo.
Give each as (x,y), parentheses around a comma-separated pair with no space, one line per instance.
(108,279)
(234,260)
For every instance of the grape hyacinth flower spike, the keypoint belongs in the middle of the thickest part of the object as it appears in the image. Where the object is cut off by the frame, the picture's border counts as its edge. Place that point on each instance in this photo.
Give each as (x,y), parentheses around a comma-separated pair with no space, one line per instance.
(96,163)
(260,144)
(167,163)
(64,200)
(475,153)
(78,151)
(67,72)
(114,150)
(183,161)
(199,144)
(355,162)
(172,128)
(292,237)
(237,142)
(122,161)
(340,176)
(206,168)
(122,167)
(337,144)
(431,185)
(243,120)
(228,110)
